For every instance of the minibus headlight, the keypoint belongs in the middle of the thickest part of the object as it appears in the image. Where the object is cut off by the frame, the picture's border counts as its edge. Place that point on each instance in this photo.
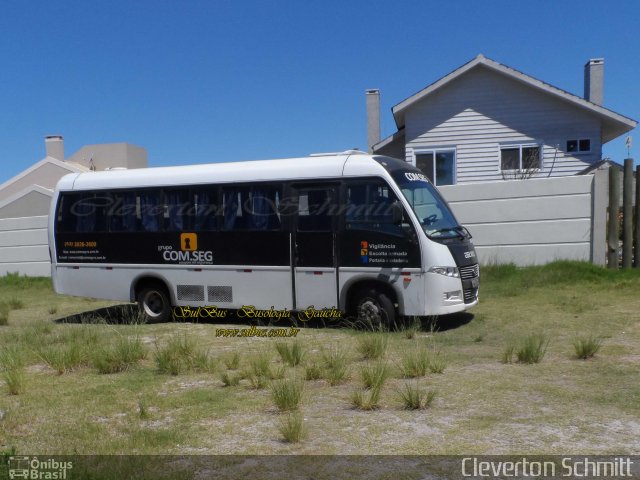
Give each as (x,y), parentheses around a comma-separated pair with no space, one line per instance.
(446,271)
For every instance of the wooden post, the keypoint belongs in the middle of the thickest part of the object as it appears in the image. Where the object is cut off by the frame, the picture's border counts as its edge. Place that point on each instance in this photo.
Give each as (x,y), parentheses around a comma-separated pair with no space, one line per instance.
(627,214)
(636,259)
(614,207)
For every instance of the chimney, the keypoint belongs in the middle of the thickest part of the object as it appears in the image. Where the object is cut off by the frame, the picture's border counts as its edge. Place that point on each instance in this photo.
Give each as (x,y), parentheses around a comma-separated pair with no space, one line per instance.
(594,80)
(54,146)
(373,118)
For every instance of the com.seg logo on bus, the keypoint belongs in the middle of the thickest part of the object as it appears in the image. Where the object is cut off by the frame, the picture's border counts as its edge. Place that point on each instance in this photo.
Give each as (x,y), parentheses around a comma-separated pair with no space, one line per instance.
(188,253)
(34,468)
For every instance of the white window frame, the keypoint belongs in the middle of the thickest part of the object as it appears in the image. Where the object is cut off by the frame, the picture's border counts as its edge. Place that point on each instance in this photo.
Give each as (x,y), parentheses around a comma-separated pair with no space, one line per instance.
(579,152)
(434,150)
(520,146)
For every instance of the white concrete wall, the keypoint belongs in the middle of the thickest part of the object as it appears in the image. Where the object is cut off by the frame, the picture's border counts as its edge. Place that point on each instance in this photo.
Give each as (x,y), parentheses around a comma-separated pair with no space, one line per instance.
(24,246)
(529,222)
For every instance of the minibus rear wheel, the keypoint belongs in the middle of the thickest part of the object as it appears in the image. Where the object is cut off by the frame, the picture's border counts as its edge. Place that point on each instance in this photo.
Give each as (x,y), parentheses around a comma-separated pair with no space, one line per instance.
(374,308)
(155,303)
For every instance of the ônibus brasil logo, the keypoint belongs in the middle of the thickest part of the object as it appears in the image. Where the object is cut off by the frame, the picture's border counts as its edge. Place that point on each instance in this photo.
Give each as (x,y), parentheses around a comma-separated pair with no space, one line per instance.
(34,468)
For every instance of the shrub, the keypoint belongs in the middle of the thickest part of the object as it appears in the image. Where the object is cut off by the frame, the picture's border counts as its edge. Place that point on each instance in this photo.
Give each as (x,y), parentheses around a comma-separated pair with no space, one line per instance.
(586,346)
(287,393)
(373,345)
(414,398)
(532,349)
(292,428)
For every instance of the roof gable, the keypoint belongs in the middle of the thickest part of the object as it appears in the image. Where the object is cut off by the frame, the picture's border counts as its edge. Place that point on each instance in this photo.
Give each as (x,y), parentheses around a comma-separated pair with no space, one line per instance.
(614,124)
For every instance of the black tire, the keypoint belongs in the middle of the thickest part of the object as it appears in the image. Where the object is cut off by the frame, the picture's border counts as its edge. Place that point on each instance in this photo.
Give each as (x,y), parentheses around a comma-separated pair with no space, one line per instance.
(155,303)
(373,308)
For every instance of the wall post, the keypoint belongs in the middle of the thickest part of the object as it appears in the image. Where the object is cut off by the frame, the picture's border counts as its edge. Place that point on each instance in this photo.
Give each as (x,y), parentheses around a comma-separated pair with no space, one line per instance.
(614,208)
(627,214)
(599,202)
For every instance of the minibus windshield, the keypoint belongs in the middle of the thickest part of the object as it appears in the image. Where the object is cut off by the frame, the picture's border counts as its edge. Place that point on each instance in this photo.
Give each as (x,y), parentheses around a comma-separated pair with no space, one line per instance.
(434,214)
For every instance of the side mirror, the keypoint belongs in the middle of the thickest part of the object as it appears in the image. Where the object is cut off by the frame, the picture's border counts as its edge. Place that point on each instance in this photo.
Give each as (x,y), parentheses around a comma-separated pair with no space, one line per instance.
(396,213)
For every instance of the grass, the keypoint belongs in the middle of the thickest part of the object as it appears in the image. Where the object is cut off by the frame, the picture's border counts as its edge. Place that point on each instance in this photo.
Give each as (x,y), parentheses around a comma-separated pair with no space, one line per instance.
(335,365)
(287,393)
(291,353)
(125,353)
(232,362)
(292,428)
(374,374)
(415,398)
(230,379)
(532,348)
(586,347)
(373,346)
(482,406)
(180,354)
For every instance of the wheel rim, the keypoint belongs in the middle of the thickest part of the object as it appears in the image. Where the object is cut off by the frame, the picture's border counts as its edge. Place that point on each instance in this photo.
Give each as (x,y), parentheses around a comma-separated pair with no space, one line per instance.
(153,304)
(370,311)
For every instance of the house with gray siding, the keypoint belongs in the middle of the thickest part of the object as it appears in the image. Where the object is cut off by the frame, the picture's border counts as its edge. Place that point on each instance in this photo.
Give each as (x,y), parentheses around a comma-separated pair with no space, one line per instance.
(486,121)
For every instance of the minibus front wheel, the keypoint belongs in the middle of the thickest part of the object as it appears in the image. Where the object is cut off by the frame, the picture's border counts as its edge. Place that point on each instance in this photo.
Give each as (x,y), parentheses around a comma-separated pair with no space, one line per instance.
(374,308)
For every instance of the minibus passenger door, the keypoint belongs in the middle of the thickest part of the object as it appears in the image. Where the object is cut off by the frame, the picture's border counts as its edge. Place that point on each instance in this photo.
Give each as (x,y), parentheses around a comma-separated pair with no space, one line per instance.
(314,246)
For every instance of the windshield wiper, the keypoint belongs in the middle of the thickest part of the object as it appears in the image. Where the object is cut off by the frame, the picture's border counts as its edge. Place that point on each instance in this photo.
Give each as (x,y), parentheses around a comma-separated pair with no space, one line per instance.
(460,230)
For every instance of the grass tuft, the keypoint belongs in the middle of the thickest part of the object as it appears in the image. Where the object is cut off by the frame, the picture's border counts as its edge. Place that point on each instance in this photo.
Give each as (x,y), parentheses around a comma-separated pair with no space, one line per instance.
(313,371)
(375,374)
(292,427)
(232,362)
(586,346)
(532,349)
(507,354)
(126,352)
(180,355)
(373,346)
(415,362)
(414,398)
(230,379)
(335,363)
(366,399)
(291,354)
(287,393)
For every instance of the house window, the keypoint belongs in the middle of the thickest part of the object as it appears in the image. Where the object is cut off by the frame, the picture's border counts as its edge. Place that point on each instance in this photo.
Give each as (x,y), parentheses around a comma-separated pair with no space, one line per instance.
(438,165)
(582,145)
(520,157)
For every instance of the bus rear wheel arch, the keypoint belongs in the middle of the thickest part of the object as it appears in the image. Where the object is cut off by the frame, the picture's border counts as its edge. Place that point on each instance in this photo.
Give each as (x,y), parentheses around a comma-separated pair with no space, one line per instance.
(373,306)
(154,301)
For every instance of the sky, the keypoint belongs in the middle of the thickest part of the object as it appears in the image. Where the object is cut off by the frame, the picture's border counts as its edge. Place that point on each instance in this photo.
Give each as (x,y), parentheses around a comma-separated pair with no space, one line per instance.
(213,81)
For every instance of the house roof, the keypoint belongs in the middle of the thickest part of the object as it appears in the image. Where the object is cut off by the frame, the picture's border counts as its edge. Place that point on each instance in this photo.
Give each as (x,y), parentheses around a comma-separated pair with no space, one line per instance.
(613,126)
(71,167)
